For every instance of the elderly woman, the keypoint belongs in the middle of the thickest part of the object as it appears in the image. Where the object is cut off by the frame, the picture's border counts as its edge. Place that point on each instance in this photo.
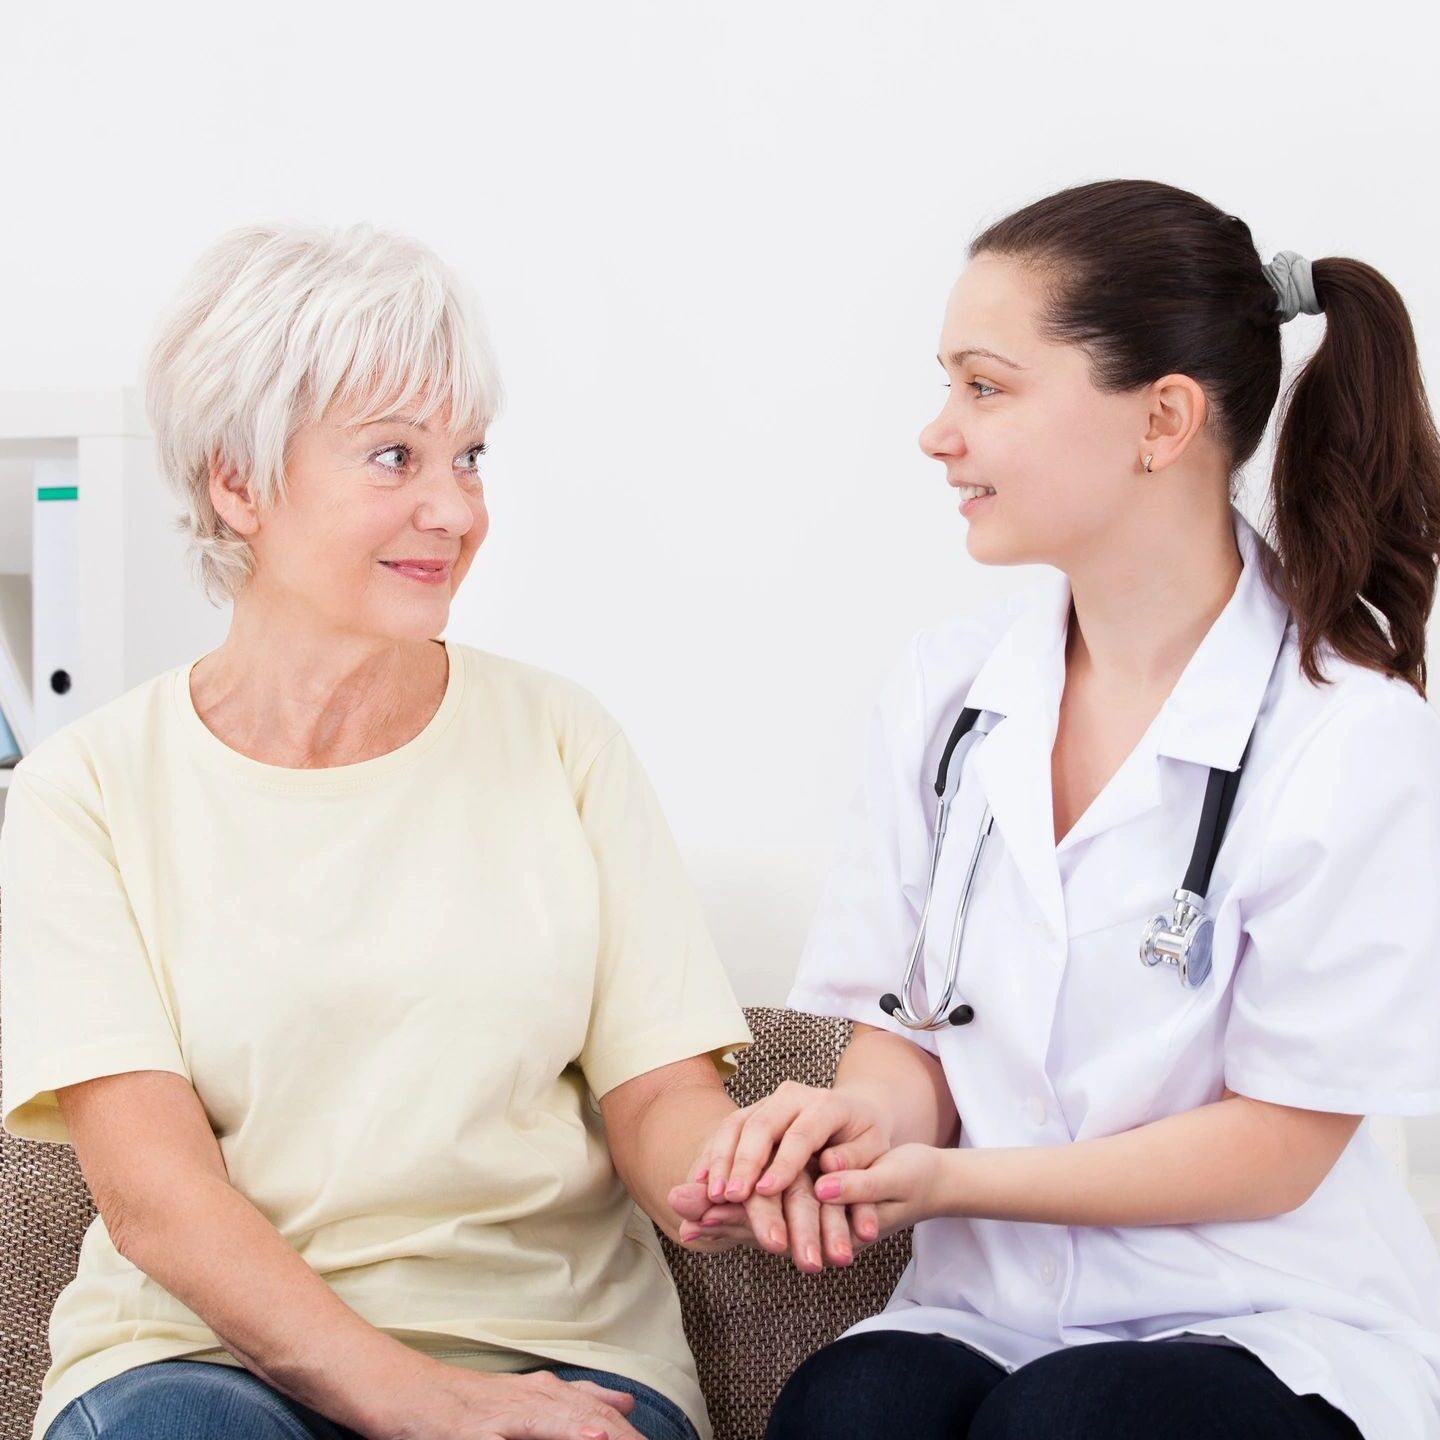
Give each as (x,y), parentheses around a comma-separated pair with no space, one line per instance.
(357,965)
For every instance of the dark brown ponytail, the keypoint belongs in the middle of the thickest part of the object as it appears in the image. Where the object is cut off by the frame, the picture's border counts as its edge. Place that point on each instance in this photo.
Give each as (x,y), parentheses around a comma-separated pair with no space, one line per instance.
(1356,485)
(1152,280)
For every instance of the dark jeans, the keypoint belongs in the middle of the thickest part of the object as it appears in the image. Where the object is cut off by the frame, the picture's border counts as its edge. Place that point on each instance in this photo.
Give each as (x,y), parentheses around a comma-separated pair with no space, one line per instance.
(928,1387)
(200,1400)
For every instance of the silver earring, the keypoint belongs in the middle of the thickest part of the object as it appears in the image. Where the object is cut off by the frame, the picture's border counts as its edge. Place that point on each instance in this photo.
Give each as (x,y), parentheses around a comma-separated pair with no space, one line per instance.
(1147,461)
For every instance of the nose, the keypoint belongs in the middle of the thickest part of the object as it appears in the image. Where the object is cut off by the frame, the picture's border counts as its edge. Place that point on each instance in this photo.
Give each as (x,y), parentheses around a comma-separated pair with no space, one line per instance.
(445,503)
(941,438)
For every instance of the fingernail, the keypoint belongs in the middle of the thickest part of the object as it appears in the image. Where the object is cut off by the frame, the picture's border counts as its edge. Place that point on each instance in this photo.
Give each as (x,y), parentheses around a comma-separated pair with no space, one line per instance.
(703,1173)
(777,1235)
(712,1220)
(734,1190)
(766,1180)
(687,1234)
(845,1256)
(812,1256)
(717,1189)
(828,1188)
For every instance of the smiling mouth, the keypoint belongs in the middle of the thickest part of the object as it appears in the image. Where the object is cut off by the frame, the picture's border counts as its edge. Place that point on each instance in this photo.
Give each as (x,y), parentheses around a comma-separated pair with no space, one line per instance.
(432,570)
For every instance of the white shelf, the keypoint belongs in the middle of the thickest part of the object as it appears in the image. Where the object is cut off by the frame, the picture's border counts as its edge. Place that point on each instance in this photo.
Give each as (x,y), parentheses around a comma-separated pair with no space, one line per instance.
(118,606)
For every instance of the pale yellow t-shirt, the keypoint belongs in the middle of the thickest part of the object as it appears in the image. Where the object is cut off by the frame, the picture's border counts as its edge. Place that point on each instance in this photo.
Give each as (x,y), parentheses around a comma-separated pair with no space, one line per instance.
(396,986)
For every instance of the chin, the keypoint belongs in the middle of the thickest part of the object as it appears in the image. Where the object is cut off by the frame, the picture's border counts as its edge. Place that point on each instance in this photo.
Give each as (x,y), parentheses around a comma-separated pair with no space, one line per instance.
(985,550)
(416,626)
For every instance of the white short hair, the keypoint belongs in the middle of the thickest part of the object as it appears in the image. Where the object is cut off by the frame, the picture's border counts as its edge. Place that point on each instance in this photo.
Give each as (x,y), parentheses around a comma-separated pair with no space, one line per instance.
(274,324)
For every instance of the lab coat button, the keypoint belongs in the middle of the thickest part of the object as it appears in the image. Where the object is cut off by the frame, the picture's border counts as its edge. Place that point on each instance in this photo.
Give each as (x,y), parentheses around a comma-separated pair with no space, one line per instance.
(1035,1109)
(1048,1271)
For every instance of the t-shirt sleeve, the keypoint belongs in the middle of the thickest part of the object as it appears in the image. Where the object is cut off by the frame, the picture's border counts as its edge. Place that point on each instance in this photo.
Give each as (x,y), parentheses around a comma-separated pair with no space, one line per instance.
(1336,996)
(78,995)
(660,994)
(864,926)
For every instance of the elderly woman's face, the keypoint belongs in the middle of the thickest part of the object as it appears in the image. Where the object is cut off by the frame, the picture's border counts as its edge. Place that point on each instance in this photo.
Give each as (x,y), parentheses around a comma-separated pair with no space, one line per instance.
(360,503)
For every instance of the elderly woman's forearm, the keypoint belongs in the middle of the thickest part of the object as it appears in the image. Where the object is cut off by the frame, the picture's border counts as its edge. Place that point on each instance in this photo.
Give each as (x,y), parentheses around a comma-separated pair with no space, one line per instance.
(654,1149)
(210,1248)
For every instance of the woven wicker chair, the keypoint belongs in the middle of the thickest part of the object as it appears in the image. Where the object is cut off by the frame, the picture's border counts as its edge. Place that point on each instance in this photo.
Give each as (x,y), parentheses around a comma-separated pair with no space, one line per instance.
(751,1317)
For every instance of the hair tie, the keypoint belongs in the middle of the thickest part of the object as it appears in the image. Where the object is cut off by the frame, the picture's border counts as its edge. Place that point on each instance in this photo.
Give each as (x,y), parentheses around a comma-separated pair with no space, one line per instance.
(1290,275)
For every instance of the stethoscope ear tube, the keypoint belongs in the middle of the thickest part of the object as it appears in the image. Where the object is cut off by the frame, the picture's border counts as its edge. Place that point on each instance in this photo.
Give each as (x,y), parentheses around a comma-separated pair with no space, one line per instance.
(892,1004)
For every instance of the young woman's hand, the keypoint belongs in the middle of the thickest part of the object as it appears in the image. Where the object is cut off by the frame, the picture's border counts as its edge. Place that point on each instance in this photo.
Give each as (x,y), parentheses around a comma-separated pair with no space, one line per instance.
(904,1185)
(763,1148)
(794,1221)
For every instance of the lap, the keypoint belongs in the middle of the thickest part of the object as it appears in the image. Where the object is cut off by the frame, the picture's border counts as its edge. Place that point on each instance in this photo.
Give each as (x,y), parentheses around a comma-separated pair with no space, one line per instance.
(1128,1389)
(884,1382)
(190,1400)
(928,1387)
(202,1400)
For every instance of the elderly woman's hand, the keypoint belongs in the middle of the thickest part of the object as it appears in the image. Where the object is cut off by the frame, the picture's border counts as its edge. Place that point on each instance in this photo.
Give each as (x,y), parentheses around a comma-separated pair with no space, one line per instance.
(762,1150)
(468,1405)
(793,1221)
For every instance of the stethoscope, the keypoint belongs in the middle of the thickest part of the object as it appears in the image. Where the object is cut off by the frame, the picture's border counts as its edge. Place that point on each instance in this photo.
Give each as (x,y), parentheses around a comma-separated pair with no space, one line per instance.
(1183,938)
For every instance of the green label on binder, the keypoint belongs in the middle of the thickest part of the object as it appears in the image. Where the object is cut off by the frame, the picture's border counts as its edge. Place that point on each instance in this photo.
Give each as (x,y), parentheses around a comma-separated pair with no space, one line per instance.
(57,492)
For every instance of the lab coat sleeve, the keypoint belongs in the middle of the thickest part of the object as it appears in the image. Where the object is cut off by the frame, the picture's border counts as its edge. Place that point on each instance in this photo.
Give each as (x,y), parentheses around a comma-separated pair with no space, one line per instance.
(1337,990)
(860,938)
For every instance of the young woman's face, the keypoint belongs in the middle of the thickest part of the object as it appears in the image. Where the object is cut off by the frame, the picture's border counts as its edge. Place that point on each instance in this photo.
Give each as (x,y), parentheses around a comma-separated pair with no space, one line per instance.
(360,499)
(1025,419)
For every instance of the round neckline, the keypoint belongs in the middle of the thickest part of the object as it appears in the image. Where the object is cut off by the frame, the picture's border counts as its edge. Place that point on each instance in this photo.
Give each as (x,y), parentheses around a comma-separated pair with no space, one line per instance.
(356,775)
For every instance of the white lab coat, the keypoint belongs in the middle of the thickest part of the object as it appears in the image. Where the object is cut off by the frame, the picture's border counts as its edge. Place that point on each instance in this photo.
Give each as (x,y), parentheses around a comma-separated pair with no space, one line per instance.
(1325,990)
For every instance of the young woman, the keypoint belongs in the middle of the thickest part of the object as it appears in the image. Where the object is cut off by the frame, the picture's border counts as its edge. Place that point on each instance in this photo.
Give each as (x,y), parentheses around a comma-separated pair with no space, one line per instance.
(1191,750)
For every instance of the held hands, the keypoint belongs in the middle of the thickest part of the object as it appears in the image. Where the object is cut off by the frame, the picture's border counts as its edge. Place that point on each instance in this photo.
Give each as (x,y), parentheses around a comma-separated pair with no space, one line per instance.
(808,1170)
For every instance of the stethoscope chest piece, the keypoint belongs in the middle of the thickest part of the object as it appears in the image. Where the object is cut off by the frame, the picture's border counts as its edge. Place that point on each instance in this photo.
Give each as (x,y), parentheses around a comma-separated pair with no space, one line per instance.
(1184,939)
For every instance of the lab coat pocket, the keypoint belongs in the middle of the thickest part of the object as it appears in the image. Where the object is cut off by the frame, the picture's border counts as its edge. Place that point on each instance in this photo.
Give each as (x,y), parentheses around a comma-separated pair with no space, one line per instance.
(1194,1055)
(1121,1022)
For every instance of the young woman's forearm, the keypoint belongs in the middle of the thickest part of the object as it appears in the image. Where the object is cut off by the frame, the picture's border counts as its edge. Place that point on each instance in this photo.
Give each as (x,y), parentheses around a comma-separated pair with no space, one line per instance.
(1234,1159)
(905,1081)
(210,1248)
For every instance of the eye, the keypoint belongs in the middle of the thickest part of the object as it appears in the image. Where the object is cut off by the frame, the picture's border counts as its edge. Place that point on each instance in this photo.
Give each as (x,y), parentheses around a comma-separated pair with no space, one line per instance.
(392,450)
(978,385)
(477,451)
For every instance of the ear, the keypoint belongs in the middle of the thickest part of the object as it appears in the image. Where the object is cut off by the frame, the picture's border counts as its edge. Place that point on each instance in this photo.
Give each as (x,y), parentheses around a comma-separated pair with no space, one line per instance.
(1177,411)
(231,497)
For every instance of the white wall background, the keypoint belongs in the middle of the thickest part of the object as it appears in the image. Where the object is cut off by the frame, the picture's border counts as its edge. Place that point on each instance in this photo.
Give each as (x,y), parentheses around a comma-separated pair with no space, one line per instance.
(714,244)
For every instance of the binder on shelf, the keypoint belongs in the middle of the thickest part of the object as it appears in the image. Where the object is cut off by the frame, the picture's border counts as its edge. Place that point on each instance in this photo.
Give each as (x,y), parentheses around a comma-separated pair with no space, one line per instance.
(15,660)
(55,595)
(9,747)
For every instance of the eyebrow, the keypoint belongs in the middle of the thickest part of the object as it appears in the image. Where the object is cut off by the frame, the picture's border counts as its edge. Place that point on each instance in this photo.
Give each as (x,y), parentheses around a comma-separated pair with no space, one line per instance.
(959,358)
(386,420)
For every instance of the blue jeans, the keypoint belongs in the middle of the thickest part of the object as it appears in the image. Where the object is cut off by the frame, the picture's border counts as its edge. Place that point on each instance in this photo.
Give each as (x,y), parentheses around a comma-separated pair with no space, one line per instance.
(201,1400)
(929,1387)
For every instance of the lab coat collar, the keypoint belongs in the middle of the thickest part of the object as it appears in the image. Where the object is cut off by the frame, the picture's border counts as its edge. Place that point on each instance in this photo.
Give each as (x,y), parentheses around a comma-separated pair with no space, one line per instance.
(1207,718)
(1211,711)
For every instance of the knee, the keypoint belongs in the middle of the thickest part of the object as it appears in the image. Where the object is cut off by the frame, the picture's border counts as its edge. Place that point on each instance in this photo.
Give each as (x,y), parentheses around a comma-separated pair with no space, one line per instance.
(838,1392)
(179,1400)
(1081,1391)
